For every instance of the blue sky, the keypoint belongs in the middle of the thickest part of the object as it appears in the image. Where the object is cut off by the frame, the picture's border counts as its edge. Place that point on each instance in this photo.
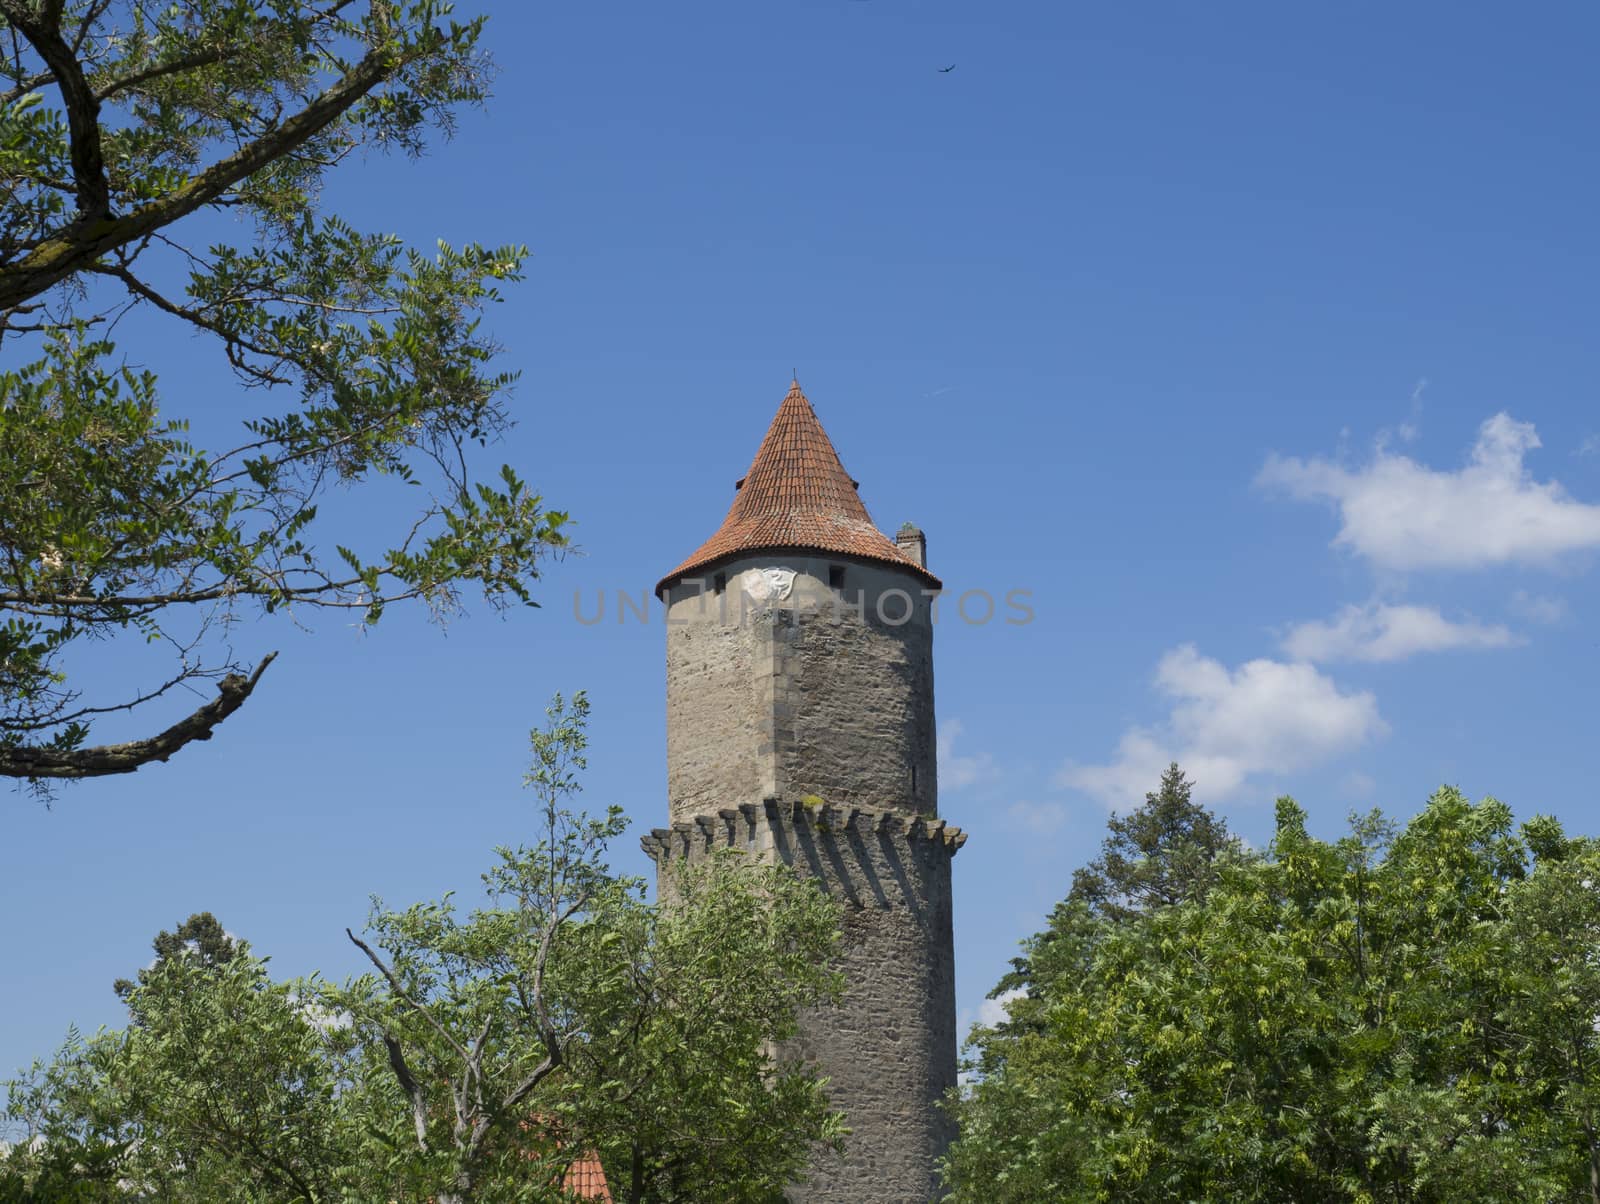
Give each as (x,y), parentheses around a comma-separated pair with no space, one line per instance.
(1256,341)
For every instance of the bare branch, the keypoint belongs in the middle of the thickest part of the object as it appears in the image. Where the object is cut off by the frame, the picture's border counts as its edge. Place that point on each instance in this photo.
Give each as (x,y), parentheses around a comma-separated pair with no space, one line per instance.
(106,759)
(187,673)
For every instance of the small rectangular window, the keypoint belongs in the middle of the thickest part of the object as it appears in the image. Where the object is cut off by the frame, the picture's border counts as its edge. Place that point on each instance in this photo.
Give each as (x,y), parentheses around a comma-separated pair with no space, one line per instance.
(836,576)
(719,583)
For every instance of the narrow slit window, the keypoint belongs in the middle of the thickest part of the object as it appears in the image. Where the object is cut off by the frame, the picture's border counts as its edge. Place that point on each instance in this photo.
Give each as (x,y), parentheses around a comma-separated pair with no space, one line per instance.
(836,576)
(719,583)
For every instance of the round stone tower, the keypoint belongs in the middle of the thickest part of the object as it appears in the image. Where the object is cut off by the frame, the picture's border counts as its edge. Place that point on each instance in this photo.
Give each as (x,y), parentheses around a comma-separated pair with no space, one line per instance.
(800,726)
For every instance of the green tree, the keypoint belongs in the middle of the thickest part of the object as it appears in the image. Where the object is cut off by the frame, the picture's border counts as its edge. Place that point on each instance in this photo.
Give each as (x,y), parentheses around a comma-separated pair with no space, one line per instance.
(1401,1015)
(201,936)
(171,158)
(642,1032)
(486,1052)
(1166,851)
(225,1087)
(678,1089)
(1161,853)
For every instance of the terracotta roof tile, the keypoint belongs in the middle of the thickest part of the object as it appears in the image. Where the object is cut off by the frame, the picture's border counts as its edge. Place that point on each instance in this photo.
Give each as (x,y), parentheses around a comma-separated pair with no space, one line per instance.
(586,1180)
(797,497)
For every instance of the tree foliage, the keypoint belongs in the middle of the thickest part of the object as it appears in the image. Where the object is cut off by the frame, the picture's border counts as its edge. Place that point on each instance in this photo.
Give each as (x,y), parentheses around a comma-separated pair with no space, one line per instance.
(224,1087)
(1405,1014)
(171,158)
(1162,853)
(1166,851)
(484,1053)
(201,936)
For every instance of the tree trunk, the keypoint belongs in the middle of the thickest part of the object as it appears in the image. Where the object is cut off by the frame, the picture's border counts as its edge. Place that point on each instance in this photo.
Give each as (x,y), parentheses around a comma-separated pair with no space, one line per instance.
(460,1191)
(1594,1169)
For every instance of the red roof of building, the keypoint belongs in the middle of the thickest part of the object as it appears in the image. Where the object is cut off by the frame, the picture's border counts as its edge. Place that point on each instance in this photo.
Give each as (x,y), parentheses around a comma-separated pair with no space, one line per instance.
(586,1179)
(797,497)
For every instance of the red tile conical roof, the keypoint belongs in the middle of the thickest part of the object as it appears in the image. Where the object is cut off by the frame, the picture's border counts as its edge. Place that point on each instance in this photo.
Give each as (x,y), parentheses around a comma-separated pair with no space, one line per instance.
(797,497)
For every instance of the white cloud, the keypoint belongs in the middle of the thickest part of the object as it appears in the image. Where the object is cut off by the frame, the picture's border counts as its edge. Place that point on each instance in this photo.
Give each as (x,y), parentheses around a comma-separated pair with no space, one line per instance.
(1404,515)
(1537,608)
(1378,632)
(1039,818)
(321,1017)
(957,773)
(1225,725)
(994,1011)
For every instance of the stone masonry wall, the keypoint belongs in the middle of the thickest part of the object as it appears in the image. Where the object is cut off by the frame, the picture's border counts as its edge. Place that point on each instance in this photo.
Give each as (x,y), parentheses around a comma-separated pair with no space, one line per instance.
(861,699)
(714,724)
(889,1049)
(780,686)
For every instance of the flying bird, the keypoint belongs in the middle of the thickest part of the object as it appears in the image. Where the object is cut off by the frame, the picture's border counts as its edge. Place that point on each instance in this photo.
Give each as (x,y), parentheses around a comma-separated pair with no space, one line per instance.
(947,70)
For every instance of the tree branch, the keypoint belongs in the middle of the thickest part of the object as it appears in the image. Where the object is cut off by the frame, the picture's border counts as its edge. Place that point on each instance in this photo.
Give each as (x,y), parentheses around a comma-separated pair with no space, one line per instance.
(31,84)
(408,1084)
(232,338)
(64,717)
(43,31)
(553,1051)
(400,993)
(106,759)
(53,605)
(81,243)
(188,62)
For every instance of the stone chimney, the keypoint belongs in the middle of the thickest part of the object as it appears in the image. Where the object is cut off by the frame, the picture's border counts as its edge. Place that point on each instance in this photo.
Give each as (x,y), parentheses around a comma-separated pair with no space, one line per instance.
(913,543)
